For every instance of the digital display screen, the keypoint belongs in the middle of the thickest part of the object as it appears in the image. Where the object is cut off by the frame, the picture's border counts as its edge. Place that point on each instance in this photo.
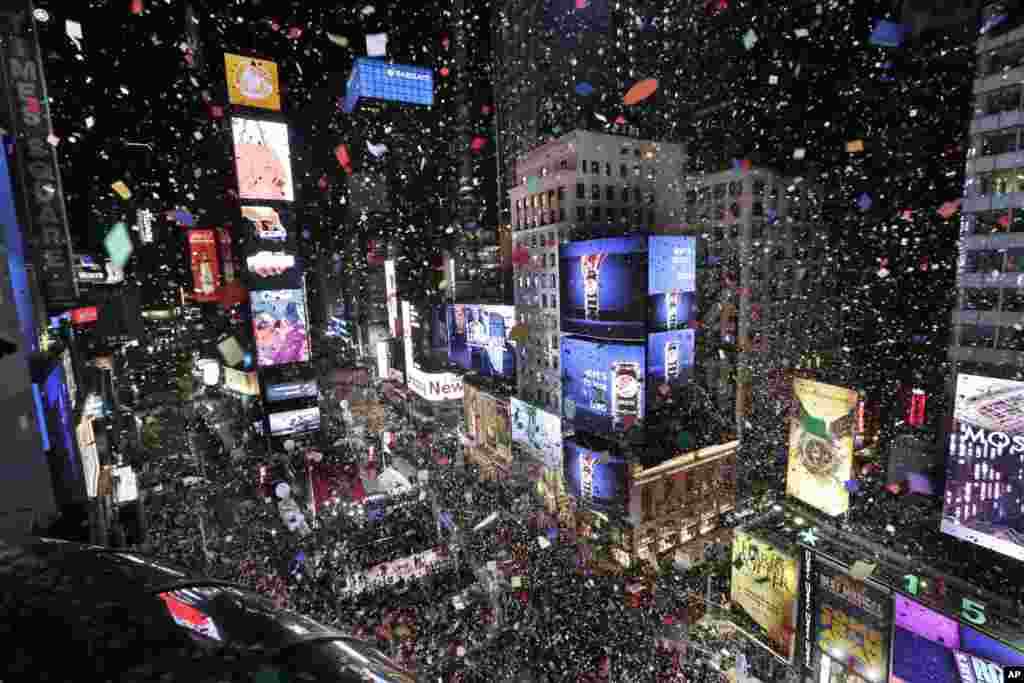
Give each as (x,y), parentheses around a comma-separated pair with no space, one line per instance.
(295,421)
(262,159)
(539,432)
(985,465)
(205,267)
(280,326)
(931,648)
(289,390)
(252,82)
(670,359)
(478,338)
(604,288)
(602,385)
(671,281)
(598,480)
(391,82)
(852,623)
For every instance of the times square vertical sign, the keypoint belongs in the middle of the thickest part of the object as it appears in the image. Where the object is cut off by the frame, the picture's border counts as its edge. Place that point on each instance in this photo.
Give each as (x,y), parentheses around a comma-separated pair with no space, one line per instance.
(41,197)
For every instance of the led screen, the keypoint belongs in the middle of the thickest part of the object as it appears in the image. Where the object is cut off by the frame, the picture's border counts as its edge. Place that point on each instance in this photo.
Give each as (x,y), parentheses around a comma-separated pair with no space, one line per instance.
(671,282)
(931,648)
(262,159)
(598,480)
(670,358)
(279,326)
(391,82)
(604,288)
(478,338)
(295,421)
(538,432)
(252,82)
(202,246)
(602,385)
(289,390)
(763,586)
(983,502)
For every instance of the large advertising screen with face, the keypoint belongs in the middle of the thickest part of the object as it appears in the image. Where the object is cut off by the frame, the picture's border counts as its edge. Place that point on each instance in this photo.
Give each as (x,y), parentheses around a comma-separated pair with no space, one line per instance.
(604,288)
(597,479)
(928,647)
(671,282)
(538,433)
(478,338)
(670,359)
(280,326)
(821,445)
(602,385)
(764,588)
(262,160)
(202,246)
(295,421)
(984,496)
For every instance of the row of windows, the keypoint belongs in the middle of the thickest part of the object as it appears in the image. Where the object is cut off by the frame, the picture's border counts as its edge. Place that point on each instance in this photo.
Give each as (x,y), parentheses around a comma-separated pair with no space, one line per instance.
(1003,59)
(625,193)
(706,193)
(999,182)
(1006,338)
(1000,142)
(594,168)
(988,261)
(999,101)
(988,222)
(552,240)
(988,299)
(538,280)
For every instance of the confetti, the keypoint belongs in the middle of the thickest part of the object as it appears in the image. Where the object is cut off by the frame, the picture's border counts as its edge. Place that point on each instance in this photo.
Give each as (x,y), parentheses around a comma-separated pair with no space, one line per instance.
(640,91)
(121,189)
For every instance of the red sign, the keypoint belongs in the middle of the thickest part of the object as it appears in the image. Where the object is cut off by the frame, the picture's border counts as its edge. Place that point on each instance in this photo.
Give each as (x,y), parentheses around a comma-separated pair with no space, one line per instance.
(227,257)
(205,271)
(84,315)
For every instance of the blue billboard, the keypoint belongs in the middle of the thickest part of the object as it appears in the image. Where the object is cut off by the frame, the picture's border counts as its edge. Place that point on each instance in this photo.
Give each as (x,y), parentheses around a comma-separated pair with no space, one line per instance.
(287,391)
(595,478)
(602,385)
(478,338)
(392,82)
(604,287)
(670,358)
(671,281)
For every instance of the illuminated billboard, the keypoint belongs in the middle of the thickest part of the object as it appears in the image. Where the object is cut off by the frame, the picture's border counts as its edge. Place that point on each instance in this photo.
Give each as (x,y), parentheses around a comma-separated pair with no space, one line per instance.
(596,478)
(487,425)
(983,502)
(432,386)
(821,445)
(671,282)
(295,421)
(252,82)
(245,383)
(380,80)
(280,326)
(928,647)
(262,159)
(391,291)
(287,391)
(763,586)
(537,432)
(602,385)
(670,359)
(478,338)
(202,245)
(604,287)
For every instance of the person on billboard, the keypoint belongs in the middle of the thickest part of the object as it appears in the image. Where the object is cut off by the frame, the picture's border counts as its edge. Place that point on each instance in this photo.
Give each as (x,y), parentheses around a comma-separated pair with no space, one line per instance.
(291,336)
(267,338)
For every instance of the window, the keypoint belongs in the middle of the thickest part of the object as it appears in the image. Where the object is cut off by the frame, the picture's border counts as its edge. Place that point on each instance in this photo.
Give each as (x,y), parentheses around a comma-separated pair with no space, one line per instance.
(533,241)
(581,191)
(1003,100)
(610,213)
(625,194)
(561,193)
(595,192)
(564,163)
(757,209)
(561,214)
(719,191)
(609,193)
(623,171)
(581,213)
(636,168)
(998,182)
(583,165)
(551,262)
(608,169)
(650,217)
(595,167)
(551,238)
(999,143)
(758,188)
(734,188)
(544,300)
(595,213)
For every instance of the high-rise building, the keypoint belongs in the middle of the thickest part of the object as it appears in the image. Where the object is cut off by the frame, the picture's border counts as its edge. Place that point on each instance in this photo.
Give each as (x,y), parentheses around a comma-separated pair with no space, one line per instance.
(581,185)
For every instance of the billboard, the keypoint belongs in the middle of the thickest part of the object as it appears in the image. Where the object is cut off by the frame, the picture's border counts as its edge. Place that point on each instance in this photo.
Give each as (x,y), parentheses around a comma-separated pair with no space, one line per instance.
(280,327)
(295,421)
(36,169)
(391,82)
(227,256)
(983,501)
(602,385)
(391,291)
(202,246)
(537,432)
(88,314)
(821,445)
(383,358)
(670,359)
(596,478)
(262,160)
(478,338)
(245,383)
(432,386)
(252,82)
(928,647)
(763,586)
(603,287)
(487,423)
(287,391)
(671,282)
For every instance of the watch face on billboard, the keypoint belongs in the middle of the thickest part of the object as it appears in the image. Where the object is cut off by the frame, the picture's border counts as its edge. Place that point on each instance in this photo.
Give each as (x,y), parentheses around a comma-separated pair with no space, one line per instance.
(670,358)
(985,465)
(604,288)
(821,445)
(280,326)
(478,338)
(671,282)
(252,82)
(262,159)
(602,385)
(598,480)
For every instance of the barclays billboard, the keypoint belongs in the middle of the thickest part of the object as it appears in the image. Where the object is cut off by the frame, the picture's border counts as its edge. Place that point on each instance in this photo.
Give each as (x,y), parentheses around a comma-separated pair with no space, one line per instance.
(391,82)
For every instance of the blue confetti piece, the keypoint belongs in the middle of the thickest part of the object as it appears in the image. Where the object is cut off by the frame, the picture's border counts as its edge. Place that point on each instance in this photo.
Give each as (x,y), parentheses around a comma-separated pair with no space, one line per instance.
(553,533)
(887,34)
(864,201)
(446,520)
(184,217)
(584,89)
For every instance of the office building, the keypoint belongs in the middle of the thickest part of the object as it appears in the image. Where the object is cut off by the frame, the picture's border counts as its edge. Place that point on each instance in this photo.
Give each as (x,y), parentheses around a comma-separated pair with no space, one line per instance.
(578,186)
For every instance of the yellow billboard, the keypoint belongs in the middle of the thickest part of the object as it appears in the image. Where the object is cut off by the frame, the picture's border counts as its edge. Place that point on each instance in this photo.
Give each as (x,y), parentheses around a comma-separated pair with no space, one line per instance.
(245,383)
(764,586)
(821,445)
(489,427)
(252,82)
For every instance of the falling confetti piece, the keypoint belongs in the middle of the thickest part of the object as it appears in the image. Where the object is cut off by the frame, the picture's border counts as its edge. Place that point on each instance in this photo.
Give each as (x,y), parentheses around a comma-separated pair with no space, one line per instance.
(854,146)
(444,71)
(864,201)
(749,39)
(368,10)
(640,91)
(620,120)
(949,208)
(376,150)
(183,217)
(583,88)
(118,244)
(601,117)
(137,7)
(341,154)
(90,121)
(887,34)
(121,189)
(376,44)
(852,485)
(582,4)
(533,184)
(295,33)
(340,41)
(478,143)
(53,139)
(73,29)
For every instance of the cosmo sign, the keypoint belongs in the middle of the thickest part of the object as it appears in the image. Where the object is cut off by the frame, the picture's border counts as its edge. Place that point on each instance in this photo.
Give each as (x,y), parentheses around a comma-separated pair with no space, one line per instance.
(432,386)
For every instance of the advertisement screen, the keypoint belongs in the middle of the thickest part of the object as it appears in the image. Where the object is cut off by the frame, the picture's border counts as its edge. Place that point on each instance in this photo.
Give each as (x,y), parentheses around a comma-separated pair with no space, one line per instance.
(202,246)
(538,432)
(821,446)
(69,375)
(487,423)
(391,82)
(604,288)
(764,587)
(279,326)
(288,390)
(671,282)
(670,358)
(245,383)
(602,385)
(252,82)
(80,316)
(262,159)
(295,421)
(984,503)
(432,386)
(391,291)
(597,479)
(227,255)
(478,338)
(931,648)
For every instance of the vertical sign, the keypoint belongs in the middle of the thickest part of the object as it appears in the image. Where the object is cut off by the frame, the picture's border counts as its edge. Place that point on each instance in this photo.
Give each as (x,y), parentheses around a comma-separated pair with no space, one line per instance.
(42,196)
(203,254)
(391,291)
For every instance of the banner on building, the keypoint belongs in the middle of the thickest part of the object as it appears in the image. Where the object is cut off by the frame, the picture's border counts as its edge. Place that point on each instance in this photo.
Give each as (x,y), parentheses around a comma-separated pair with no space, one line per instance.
(202,245)
(764,587)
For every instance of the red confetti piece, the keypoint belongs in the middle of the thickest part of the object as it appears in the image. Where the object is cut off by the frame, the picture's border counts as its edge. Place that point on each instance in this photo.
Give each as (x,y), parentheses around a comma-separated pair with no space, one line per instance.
(444,71)
(217,111)
(295,33)
(137,7)
(478,143)
(1005,221)
(32,103)
(620,120)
